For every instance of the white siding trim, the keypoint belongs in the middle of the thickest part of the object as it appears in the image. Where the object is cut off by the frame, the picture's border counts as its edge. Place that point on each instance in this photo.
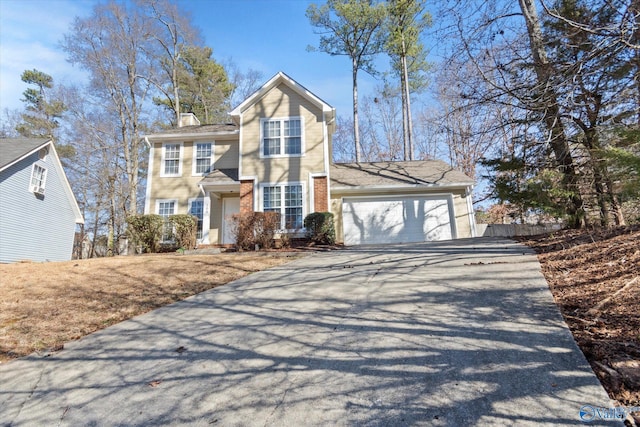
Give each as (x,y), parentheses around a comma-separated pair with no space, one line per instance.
(327,153)
(472,216)
(147,195)
(65,184)
(240,136)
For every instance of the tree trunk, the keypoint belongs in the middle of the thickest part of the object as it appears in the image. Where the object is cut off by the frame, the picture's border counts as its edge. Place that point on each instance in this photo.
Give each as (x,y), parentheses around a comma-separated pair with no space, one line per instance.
(405,117)
(406,106)
(552,120)
(356,125)
(112,217)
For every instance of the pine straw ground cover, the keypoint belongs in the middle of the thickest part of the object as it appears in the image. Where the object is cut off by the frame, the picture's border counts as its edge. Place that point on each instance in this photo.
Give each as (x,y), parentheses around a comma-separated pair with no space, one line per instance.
(594,276)
(44,305)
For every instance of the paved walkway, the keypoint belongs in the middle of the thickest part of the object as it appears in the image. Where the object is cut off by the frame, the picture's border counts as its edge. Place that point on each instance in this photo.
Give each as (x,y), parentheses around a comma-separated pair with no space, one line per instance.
(454,334)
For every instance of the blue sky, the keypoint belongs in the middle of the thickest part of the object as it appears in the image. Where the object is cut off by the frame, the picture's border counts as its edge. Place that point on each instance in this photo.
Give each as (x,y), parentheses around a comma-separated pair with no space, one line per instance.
(266,35)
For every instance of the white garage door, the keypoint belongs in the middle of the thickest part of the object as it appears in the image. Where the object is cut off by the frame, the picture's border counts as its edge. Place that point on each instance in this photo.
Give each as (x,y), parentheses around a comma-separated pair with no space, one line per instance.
(395,220)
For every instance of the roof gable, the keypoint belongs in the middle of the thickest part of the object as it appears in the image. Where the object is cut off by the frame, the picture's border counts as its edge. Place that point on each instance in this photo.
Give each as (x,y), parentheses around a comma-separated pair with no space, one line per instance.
(282,78)
(12,150)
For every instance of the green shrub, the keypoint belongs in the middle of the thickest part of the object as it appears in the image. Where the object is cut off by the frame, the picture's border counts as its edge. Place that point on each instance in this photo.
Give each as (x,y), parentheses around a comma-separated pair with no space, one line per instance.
(184,227)
(145,231)
(254,228)
(320,228)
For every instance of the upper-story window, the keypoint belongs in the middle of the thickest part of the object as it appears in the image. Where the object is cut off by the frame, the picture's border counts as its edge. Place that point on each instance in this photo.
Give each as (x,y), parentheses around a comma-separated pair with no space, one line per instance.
(282,137)
(38,179)
(202,158)
(171,159)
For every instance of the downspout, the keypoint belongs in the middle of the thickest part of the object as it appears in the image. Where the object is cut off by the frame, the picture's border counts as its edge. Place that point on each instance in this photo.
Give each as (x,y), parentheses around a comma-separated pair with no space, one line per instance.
(147,195)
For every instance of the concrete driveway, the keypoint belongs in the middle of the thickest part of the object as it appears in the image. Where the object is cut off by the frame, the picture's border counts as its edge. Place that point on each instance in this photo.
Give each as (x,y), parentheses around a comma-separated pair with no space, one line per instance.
(452,333)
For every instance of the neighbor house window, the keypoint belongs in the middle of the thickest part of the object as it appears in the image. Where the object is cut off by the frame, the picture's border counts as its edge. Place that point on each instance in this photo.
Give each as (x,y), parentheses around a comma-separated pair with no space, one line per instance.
(197,209)
(287,201)
(203,159)
(38,179)
(171,156)
(282,137)
(165,209)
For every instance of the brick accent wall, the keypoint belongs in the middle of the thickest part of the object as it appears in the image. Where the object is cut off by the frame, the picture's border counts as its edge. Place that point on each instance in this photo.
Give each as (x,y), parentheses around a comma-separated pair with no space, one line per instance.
(246,196)
(320,202)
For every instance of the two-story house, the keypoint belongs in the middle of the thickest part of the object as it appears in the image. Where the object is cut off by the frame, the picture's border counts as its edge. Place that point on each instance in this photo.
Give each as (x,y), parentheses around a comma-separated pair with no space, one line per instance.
(275,155)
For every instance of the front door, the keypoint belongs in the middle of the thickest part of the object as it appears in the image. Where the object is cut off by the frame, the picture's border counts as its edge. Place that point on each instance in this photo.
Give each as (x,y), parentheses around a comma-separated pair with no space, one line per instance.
(230,206)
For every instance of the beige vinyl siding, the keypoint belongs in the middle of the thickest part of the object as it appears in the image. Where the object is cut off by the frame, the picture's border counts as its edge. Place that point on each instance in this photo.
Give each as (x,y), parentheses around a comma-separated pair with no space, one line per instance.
(283,102)
(186,186)
(215,226)
(226,153)
(335,207)
(462,215)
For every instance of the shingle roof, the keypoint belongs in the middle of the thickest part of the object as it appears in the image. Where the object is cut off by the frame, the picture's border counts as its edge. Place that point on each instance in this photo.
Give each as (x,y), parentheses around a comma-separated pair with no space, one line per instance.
(221,176)
(226,127)
(428,173)
(11,149)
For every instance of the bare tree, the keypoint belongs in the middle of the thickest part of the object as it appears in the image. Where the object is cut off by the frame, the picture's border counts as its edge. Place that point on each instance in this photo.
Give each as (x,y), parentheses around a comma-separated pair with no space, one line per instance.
(244,83)
(110,44)
(172,31)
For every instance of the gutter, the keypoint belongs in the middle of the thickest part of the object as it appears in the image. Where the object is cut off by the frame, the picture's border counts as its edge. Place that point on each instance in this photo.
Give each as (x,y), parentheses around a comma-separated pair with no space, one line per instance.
(387,188)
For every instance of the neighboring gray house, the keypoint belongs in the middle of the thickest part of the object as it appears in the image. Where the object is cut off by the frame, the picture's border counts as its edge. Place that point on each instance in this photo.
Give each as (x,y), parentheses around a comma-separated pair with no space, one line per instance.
(38,211)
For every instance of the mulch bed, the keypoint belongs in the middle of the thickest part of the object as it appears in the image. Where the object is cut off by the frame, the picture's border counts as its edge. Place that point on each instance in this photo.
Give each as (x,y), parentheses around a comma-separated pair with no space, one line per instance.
(594,276)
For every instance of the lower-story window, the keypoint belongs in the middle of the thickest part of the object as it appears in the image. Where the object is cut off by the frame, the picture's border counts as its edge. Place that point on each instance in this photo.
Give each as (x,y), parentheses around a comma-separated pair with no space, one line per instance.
(165,209)
(196,209)
(287,200)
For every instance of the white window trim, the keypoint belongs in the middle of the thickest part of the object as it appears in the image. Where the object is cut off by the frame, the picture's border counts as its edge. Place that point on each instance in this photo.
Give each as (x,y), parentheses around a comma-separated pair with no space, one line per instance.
(282,185)
(162,163)
(194,162)
(206,217)
(175,209)
(32,188)
(282,120)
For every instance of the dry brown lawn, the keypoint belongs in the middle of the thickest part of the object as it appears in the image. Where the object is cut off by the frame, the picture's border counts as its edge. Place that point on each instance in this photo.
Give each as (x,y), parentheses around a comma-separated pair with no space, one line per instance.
(44,305)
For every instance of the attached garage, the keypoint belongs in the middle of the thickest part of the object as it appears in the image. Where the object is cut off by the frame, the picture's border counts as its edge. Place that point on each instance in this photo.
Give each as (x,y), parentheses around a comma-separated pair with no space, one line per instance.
(374,220)
(400,202)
